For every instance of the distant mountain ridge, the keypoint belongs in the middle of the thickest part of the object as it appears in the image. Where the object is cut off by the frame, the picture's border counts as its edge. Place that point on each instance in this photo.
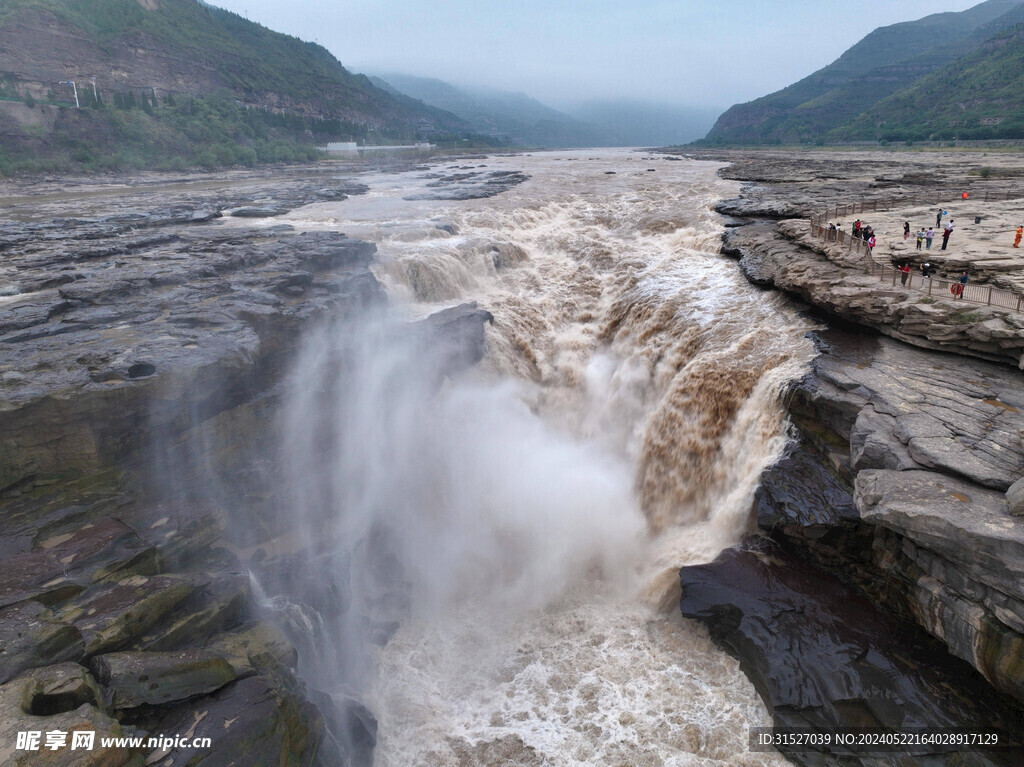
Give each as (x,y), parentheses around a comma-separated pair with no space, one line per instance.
(829,104)
(512,116)
(524,120)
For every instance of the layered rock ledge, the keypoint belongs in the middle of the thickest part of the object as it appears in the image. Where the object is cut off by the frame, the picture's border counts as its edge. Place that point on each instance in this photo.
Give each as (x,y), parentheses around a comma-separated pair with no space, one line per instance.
(893,491)
(142,352)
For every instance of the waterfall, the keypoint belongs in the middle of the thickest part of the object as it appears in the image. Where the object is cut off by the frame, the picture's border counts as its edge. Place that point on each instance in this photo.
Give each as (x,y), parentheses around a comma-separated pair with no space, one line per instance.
(498,546)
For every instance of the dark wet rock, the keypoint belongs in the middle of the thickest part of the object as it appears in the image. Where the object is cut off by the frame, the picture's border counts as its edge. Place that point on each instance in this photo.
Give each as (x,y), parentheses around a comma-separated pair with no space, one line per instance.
(342,191)
(969,552)
(166,340)
(96,291)
(507,255)
(351,729)
(823,656)
(472,185)
(261,647)
(319,254)
(250,723)
(211,608)
(258,212)
(457,336)
(931,444)
(111,615)
(294,284)
(133,679)
(62,564)
(30,637)
(203,215)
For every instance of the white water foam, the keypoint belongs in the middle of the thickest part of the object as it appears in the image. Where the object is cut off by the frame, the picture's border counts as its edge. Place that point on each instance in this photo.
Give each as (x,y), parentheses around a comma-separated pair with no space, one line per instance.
(540,506)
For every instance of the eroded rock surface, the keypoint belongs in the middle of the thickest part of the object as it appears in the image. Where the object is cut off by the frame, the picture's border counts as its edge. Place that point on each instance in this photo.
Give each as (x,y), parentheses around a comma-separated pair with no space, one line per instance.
(823,657)
(902,483)
(471,184)
(783,255)
(142,355)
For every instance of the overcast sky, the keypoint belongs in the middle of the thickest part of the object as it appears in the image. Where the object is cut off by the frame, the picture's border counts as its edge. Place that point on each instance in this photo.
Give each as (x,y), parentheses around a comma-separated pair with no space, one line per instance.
(690,52)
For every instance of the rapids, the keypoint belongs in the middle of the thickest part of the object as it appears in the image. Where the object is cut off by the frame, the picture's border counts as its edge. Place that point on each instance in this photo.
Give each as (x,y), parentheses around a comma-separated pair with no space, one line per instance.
(512,536)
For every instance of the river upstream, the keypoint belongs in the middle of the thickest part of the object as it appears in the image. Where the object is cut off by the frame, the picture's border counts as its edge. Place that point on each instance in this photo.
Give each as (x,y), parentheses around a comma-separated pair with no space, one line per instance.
(517,530)
(425,466)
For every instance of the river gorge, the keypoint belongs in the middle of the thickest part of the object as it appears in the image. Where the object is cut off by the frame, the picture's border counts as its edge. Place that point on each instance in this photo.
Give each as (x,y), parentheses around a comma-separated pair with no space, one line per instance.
(413,465)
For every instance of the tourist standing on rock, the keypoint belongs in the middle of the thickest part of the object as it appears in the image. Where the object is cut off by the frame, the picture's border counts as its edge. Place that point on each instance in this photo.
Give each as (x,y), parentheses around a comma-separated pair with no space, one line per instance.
(946,232)
(871,246)
(929,236)
(963,284)
(926,273)
(905,268)
(938,218)
(906,229)
(856,228)
(920,237)
(1020,233)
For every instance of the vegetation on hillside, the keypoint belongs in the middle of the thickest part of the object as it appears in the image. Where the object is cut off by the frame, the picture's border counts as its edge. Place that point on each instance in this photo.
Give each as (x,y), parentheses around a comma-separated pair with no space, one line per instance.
(870,75)
(980,96)
(315,99)
(137,132)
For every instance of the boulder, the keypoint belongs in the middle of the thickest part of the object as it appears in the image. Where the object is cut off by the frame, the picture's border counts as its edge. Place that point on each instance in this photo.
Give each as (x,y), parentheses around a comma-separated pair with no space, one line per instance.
(133,679)
(1015,498)
(60,688)
(455,337)
(20,694)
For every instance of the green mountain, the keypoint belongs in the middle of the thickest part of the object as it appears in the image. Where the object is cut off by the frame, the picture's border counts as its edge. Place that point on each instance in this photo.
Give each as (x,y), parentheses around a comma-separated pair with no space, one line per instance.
(178,82)
(885,62)
(513,117)
(979,96)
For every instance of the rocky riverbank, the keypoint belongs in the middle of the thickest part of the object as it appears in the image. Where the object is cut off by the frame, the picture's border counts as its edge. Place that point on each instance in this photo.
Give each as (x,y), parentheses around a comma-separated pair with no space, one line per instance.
(143,352)
(886,585)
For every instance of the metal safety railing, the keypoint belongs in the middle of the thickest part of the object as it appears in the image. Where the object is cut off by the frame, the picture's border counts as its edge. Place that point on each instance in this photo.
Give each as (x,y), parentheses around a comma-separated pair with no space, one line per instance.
(945,197)
(938,287)
(941,287)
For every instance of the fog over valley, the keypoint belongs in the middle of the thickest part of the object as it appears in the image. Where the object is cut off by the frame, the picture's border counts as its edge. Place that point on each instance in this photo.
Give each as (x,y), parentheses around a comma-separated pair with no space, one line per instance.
(672,62)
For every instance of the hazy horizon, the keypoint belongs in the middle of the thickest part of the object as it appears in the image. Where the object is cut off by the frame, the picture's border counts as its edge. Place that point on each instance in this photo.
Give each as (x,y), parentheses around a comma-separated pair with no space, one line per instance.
(567,52)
